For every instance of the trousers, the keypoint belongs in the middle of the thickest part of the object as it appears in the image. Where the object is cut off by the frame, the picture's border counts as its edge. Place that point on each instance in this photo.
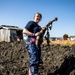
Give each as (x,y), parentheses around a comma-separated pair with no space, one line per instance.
(34,55)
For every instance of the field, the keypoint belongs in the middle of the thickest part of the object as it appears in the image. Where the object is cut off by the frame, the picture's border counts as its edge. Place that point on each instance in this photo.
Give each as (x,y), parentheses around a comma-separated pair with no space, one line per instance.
(14,59)
(61,42)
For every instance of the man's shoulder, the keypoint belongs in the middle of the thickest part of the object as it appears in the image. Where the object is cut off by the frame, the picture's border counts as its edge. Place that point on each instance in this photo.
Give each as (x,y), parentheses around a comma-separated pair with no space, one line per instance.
(31,22)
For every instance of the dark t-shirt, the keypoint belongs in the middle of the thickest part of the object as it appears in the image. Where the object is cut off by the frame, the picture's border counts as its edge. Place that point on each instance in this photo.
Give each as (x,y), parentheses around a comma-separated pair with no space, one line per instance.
(32,27)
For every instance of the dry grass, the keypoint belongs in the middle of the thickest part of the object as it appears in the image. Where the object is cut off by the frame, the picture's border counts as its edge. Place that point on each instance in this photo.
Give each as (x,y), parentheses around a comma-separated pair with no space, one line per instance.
(62,42)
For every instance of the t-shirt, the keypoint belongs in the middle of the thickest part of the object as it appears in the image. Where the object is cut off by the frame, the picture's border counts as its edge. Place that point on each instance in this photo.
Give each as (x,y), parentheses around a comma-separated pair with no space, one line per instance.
(32,27)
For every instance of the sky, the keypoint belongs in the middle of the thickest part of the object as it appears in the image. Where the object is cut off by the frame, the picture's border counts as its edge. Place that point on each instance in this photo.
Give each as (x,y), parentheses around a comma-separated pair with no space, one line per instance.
(20,12)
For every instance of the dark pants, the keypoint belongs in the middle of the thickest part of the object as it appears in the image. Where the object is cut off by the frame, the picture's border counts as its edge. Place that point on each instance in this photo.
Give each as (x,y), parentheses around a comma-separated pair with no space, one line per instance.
(34,55)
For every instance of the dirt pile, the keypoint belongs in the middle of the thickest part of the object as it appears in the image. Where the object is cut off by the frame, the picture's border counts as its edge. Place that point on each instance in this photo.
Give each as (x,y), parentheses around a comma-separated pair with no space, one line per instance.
(14,59)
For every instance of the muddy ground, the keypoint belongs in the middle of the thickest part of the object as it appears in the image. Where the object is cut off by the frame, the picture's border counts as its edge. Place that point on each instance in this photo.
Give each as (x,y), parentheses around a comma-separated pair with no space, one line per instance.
(14,59)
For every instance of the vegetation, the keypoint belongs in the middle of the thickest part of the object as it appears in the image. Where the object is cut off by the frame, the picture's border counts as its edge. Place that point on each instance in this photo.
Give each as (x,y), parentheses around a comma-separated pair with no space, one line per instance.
(65,36)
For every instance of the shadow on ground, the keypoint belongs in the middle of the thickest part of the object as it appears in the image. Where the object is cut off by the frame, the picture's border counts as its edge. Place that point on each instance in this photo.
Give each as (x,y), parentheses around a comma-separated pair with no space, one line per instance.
(66,68)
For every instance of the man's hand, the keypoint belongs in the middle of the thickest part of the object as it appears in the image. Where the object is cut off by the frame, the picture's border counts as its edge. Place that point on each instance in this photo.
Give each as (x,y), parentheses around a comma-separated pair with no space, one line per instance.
(37,34)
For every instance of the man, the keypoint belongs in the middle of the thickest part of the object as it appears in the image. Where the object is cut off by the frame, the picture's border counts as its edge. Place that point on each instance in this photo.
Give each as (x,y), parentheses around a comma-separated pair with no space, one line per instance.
(32,31)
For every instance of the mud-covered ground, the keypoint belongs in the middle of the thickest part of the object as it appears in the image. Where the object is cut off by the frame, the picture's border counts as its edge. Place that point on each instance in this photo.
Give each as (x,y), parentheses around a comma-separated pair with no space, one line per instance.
(14,59)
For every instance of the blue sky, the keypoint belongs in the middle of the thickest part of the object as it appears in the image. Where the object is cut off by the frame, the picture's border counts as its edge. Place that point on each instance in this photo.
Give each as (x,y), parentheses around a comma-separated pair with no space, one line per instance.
(19,12)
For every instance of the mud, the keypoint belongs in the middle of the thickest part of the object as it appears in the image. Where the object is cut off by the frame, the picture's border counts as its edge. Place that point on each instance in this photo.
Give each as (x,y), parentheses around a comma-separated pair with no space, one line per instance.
(14,59)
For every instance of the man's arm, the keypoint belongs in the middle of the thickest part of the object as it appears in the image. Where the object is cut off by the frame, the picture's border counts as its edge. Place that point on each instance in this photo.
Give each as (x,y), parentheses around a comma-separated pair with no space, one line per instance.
(25,31)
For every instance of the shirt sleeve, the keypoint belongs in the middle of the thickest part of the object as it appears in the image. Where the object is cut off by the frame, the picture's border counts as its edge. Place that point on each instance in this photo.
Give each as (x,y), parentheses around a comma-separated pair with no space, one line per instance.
(28,25)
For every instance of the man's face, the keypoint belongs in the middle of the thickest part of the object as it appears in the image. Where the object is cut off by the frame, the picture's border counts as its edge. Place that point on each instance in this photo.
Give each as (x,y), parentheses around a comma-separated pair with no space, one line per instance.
(37,18)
